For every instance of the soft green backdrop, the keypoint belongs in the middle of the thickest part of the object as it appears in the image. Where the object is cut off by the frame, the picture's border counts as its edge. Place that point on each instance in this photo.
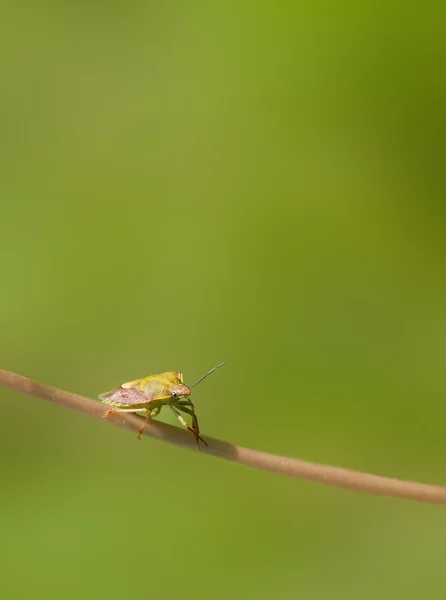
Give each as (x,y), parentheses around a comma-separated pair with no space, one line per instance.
(184,183)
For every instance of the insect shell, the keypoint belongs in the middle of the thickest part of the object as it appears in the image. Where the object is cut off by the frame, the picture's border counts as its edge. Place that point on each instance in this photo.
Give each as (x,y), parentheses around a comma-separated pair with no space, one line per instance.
(150,394)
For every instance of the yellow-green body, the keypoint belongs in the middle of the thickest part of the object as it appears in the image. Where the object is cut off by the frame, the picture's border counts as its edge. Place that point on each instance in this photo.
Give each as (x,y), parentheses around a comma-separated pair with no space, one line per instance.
(148,395)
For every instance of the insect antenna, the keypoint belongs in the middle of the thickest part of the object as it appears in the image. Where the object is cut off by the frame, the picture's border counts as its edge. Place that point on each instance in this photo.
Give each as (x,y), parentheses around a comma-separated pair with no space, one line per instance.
(208,373)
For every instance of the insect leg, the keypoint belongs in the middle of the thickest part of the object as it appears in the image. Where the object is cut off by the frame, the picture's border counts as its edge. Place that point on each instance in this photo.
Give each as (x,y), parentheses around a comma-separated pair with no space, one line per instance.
(191,412)
(115,410)
(109,412)
(187,402)
(184,424)
(181,405)
(150,415)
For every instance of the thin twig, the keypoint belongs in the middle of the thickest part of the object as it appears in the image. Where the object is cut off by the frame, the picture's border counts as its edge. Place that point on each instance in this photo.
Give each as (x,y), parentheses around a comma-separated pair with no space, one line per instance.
(335,476)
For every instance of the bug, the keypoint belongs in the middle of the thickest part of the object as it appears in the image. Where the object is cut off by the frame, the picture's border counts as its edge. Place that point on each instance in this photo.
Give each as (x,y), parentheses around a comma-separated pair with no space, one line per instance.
(150,394)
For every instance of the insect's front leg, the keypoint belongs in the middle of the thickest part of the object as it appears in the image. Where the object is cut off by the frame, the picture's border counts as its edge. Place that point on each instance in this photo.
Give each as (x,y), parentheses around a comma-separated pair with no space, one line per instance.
(175,411)
(181,405)
(190,411)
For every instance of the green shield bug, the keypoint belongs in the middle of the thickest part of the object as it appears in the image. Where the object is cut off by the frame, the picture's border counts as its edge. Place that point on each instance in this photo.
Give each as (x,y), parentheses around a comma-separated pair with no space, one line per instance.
(150,394)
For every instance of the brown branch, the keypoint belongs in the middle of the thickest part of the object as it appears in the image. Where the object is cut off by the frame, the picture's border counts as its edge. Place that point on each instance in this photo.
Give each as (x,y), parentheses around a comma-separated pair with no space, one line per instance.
(336,476)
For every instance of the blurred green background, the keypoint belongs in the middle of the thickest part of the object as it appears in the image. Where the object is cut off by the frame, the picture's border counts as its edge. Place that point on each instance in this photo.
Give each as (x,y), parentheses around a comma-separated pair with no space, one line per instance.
(186,183)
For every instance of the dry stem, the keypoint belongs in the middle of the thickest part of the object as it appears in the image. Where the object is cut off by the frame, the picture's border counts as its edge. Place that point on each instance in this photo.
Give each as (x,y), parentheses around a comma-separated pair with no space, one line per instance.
(335,476)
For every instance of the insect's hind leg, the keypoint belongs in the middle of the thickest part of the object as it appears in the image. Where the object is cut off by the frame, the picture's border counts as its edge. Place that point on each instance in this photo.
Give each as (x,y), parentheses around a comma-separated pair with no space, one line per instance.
(109,412)
(115,410)
(184,424)
(149,415)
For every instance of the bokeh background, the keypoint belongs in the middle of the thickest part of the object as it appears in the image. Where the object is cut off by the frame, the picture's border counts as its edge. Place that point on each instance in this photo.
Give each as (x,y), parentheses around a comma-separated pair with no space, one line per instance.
(186,183)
